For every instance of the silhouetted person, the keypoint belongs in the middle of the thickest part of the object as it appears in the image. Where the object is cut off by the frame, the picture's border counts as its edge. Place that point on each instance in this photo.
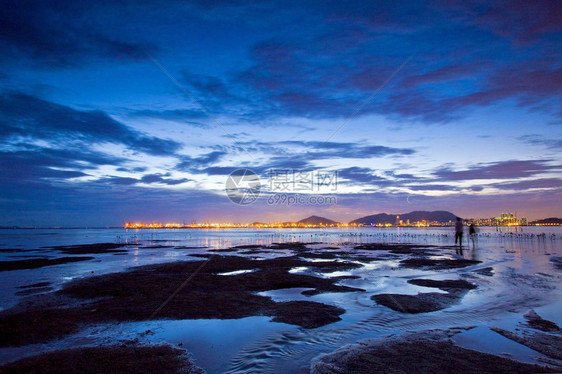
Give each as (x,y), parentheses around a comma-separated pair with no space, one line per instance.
(472,234)
(458,232)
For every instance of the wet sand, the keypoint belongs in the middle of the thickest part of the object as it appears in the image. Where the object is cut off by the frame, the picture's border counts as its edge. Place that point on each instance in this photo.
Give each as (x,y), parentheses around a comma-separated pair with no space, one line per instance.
(428,301)
(427,352)
(140,294)
(39,263)
(225,284)
(119,359)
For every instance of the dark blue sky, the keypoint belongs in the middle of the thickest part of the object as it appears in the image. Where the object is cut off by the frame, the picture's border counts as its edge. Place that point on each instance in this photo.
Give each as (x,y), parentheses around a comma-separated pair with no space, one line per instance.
(138,110)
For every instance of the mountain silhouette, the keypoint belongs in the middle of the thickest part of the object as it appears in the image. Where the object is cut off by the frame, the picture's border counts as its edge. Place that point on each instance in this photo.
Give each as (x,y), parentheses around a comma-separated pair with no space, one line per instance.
(416,216)
(315,220)
(551,220)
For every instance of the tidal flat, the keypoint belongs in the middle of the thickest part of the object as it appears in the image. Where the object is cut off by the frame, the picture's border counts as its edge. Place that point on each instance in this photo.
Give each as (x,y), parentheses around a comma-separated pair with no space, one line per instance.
(279,302)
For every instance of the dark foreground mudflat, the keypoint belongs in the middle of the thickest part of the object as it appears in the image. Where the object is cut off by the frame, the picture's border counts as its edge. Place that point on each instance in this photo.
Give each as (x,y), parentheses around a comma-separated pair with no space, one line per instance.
(426,301)
(39,263)
(98,248)
(199,291)
(547,340)
(207,288)
(445,285)
(118,360)
(436,264)
(418,356)
(420,303)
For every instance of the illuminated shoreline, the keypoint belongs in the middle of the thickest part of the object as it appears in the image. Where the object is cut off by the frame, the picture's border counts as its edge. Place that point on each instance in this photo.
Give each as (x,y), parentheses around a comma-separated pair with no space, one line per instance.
(138,225)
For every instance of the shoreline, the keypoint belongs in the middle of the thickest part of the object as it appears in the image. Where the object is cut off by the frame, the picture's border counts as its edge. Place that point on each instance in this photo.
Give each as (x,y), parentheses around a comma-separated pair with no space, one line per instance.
(273,227)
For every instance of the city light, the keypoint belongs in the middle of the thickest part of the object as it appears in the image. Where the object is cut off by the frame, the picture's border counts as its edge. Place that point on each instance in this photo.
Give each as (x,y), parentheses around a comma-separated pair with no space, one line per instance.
(504,219)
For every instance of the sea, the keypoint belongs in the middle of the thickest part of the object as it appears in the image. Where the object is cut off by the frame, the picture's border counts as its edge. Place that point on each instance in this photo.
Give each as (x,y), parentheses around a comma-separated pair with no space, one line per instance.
(526,275)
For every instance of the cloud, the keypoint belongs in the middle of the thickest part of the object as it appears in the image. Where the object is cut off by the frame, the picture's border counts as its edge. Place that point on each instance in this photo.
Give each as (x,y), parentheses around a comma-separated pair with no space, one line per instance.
(195,164)
(119,181)
(318,150)
(512,171)
(62,34)
(442,74)
(338,56)
(264,63)
(160,178)
(44,144)
(329,69)
(139,169)
(535,139)
(212,89)
(218,170)
(282,162)
(432,187)
(534,85)
(388,178)
(97,204)
(498,170)
(322,150)
(283,155)
(521,21)
(550,183)
(295,155)
(186,116)
(145,179)
(362,176)
(37,164)
(59,123)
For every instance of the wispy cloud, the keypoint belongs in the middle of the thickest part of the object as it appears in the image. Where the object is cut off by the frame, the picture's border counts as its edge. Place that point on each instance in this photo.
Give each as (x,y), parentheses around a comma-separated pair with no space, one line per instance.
(498,170)
(58,123)
(535,139)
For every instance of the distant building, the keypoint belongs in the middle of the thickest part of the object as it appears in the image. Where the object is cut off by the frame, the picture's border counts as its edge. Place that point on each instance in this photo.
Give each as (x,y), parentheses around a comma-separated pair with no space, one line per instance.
(505,219)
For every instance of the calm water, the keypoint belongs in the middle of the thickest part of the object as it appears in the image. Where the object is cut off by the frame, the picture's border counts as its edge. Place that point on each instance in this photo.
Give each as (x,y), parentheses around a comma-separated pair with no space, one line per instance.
(524,278)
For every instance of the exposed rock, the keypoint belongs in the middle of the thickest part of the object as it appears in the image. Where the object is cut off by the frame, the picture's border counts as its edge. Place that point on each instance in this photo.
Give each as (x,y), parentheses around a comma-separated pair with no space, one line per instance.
(549,345)
(556,262)
(535,321)
(309,314)
(82,249)
(445,285)
(119,360)
(420,303)
(436,264)
(487,271)
(416,353)
(39,263)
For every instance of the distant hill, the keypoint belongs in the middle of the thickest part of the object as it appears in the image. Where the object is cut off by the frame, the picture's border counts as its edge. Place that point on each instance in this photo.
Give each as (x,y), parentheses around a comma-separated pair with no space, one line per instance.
(551,220)
(419,215)
(315,220)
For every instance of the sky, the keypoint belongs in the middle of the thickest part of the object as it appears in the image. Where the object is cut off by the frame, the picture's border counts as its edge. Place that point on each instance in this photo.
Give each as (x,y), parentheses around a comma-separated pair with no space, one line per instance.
(115,111)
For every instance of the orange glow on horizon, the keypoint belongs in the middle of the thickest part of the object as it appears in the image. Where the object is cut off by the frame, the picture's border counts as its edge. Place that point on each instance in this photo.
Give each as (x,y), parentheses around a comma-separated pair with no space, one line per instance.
(174,225)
